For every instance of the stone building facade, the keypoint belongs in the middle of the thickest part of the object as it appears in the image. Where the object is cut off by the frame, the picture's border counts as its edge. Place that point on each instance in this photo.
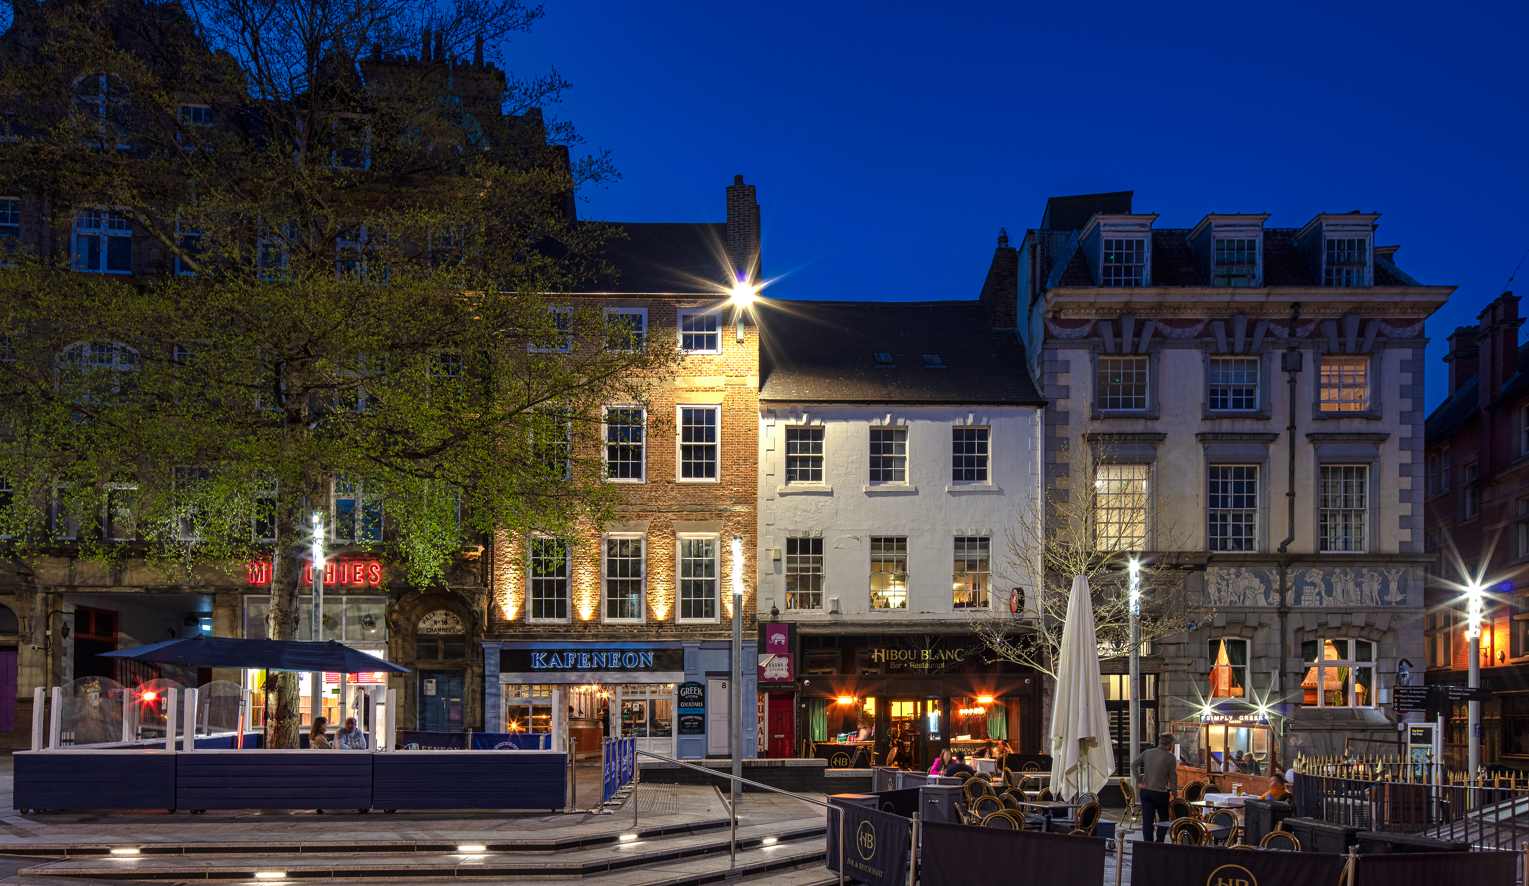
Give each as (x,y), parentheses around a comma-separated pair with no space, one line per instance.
(1167,355)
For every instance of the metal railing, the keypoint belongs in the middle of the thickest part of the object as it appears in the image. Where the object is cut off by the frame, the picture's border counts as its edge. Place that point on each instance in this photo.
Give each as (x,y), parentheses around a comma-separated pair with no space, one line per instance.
(1390,795)
(732,807)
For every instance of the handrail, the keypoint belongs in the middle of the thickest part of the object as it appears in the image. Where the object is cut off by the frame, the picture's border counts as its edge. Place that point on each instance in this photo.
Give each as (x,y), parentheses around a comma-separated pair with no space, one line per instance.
(738,778)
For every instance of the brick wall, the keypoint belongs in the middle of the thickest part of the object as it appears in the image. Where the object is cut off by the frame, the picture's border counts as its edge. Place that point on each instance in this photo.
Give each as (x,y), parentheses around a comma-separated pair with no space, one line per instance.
(743,237)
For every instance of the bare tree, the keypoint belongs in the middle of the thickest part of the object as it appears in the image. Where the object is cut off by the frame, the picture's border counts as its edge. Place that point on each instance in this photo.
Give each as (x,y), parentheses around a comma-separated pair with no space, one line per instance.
(1100,514)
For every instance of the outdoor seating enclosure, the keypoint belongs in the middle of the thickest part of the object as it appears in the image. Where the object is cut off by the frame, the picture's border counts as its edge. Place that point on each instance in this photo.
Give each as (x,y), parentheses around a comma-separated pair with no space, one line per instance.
(1228,753)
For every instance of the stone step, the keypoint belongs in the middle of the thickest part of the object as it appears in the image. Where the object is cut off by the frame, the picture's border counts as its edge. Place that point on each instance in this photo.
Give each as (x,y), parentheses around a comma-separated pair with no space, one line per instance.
(794,843)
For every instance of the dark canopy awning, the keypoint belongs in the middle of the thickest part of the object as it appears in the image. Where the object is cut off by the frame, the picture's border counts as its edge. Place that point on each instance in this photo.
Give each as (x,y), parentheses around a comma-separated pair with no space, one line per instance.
(277,655)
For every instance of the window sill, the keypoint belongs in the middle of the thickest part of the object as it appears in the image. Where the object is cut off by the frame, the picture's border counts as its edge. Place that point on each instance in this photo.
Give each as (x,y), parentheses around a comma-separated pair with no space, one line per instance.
(889,489)
(623,621)
(716,353)
(974,489)
(702,481)
(1368,415)
(1231,415)
(698,621)
(804,489)
(624,482)
(549,621)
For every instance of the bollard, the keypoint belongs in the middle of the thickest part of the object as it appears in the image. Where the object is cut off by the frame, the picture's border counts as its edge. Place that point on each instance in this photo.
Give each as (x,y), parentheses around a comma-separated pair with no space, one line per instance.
(636,783)
(1120,855)
(913,856)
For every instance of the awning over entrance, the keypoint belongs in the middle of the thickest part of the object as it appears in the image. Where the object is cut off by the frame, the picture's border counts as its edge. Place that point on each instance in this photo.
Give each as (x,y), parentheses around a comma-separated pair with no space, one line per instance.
(276,655)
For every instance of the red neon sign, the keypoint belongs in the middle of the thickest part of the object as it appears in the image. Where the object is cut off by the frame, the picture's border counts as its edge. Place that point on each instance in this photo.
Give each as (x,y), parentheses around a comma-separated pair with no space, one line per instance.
(344,573)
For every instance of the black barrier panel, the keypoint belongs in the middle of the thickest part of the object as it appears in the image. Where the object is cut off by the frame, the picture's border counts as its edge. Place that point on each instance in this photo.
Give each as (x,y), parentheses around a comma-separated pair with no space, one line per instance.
(1169,864)
(876,844)
(1485,868)
(1028,764)
(430,741)
(509,741)
(962,855)
(903,802)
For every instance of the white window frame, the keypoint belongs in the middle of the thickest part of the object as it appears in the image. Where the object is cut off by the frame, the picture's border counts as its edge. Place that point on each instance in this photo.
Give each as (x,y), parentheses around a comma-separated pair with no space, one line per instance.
(1352,663)
(986,575)
(564,325)
(1217,264)
(57,511)
(679,577)
(679,328)
(531,578)
(1118,541)
(564,442)
(641,445)
(1140,278)
(1212,384)
(821,456)
(1326,406)
(642,335)
(906,456)
(362,492)
(181,233)
(889,556)
(679,444)
(1211,510)
(10,228)
(102,224)
(1099,384)
(605,577)
(1337,275)
(822,592)
(99,102)
(1323,508)
(184,122)
(986,466)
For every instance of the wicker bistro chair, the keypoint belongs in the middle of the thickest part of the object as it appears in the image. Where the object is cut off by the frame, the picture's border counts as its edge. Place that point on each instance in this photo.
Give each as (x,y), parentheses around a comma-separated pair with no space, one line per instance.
(1179,808)
(985,805)
(1188,832)
(976,787)
(1242,846)
(1088,797)
(1010,801)
(1001,819)
(1133,803)
(1194,792)
(1282,840)
(1045,796)
(1088,817)
(1010,780)
(1224,819)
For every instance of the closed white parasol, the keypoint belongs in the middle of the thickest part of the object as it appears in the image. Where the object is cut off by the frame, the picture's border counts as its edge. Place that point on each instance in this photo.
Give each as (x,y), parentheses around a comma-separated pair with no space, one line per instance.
(1082,755)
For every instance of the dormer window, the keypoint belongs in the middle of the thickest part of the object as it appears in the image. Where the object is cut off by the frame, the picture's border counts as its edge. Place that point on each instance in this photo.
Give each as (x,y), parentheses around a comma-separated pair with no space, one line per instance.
(1346,262)
(1124,262)
(1236,262)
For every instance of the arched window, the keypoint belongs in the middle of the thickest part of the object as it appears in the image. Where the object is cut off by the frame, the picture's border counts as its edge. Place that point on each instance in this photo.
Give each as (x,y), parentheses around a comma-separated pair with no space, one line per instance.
(101,100)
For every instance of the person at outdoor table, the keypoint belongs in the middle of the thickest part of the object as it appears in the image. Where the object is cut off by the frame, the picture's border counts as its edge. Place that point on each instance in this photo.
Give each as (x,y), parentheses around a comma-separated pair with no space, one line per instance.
(959,766)
(318,739)
(350,738)
(1157,774)
(1279,789)
(940,762)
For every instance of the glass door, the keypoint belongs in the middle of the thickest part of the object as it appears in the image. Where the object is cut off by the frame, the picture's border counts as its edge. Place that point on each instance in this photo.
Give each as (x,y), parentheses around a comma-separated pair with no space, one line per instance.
(647,714)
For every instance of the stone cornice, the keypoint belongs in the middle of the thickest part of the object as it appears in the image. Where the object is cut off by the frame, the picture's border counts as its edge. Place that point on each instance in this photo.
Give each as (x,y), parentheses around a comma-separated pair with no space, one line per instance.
(1256,302)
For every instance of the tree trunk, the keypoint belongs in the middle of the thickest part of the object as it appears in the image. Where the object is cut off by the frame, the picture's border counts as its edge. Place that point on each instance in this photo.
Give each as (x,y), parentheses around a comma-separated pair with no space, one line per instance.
(293,534)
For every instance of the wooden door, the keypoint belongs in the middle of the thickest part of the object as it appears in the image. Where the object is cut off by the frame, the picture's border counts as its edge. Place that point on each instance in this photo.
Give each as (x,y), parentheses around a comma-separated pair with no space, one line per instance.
(781,714)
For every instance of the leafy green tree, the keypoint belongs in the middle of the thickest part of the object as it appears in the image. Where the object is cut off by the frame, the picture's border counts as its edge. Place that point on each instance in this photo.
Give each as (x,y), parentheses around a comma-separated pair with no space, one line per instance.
(342,238)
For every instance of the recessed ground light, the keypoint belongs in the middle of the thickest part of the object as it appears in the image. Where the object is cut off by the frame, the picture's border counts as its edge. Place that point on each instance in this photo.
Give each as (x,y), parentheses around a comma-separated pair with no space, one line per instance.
(627,838)
(768,841)
(270,875)
(471,848)
(124,852)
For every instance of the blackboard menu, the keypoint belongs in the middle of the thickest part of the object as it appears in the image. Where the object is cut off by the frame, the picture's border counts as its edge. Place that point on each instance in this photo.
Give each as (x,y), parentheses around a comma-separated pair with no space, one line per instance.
(690,698)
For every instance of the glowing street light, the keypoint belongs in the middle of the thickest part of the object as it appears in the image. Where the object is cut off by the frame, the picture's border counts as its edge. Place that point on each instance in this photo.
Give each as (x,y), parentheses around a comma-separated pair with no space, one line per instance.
(1474,605)
(1133,708)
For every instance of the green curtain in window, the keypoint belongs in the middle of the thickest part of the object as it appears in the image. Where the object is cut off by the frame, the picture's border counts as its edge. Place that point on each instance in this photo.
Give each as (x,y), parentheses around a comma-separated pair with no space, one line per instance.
(817,719)
(1237,657)
(997,721)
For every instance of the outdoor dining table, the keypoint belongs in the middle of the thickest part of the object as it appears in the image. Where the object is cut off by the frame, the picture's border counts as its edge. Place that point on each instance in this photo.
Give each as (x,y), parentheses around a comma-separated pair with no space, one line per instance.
(1049,808)
(1222,801)
(1216,833)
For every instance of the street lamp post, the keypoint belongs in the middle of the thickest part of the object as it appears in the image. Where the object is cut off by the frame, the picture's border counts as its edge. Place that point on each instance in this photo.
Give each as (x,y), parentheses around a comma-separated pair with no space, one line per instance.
(1134,705)
(736,703)
(1474,604)
(316,629)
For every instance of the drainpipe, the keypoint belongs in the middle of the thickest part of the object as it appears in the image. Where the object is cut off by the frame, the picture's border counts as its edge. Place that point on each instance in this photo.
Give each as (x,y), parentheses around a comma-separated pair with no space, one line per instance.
(1291,366)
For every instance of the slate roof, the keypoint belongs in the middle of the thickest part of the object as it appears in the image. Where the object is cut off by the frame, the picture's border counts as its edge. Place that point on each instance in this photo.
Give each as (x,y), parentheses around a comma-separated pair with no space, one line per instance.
(1461,407)
(825,352)
(668,257)
(1073,212)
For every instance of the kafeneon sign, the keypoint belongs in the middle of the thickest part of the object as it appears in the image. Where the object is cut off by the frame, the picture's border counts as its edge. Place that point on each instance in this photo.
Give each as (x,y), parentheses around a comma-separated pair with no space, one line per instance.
(591,659)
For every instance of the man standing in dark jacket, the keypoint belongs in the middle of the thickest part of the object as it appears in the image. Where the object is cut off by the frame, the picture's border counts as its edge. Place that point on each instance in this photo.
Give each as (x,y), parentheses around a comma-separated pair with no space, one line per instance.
(1156,773)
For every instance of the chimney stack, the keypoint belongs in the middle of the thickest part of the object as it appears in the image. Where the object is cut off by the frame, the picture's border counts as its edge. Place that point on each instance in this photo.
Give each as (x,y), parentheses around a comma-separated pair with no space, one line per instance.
(743,231)
(1497,342)
(1000,291)
(1462,357)
(478,51)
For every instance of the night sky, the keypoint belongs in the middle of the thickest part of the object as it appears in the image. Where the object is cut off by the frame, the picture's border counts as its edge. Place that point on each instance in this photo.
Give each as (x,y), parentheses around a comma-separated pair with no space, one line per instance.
(890,141)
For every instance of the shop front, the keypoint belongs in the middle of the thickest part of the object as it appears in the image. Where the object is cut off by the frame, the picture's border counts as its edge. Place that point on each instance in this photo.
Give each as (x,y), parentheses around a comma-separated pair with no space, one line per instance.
(900,700)
(1233,753)
(673,698)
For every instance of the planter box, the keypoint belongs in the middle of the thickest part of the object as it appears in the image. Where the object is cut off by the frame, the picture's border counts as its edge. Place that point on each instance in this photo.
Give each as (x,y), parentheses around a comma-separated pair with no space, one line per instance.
(139,779)
(1262,816)
(1321,836)
(1373,843)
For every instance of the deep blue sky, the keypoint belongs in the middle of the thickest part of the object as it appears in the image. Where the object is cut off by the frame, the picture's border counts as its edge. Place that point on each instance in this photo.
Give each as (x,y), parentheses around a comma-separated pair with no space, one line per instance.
(890,141)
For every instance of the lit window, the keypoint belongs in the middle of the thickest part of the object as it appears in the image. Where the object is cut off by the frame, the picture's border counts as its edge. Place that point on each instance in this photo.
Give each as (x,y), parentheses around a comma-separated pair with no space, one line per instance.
(10,229)
(1346,262)
(698,442)
(1341,676)
(1122,383)
(698,579)
(1472,493)
(804,455)
(624,444)
(357,510)
(1344,508)
(970,581)
(804,573)
(626,329)
(1232,521)
(889,573)
(889,455)
(103,242)
(1236,262)
(547,584)
(1120,506)
(1345,384)
(969,455)
(625,578)
(1124,262)
(698,332)
(1228,669)
(1234,384)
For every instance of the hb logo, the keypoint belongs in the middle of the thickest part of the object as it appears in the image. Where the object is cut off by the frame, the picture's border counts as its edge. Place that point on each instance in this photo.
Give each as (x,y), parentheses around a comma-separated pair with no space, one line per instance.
(865,840)
(839,761)
(1231,875)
